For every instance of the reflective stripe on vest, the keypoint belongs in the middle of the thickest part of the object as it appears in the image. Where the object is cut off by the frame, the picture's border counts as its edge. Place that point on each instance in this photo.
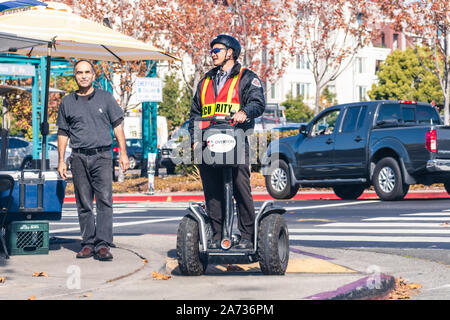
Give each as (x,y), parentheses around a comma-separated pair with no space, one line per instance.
(226,101)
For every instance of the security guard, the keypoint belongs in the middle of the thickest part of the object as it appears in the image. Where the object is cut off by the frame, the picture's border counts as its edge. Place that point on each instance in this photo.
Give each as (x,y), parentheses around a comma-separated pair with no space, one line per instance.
(228,89)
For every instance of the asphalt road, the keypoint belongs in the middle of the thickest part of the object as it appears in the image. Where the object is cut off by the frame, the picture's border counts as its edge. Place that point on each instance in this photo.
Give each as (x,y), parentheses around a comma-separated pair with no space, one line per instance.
(410,228)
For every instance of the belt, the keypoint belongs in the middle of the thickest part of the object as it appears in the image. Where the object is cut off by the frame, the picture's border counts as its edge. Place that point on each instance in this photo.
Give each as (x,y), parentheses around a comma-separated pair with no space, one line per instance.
(92,150)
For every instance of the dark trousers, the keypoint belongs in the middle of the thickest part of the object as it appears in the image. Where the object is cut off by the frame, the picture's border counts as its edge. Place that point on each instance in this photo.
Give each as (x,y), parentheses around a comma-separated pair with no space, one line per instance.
(92,176)
(212,180)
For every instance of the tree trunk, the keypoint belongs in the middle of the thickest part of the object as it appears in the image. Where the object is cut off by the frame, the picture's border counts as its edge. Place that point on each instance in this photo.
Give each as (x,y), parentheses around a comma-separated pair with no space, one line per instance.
(317,103)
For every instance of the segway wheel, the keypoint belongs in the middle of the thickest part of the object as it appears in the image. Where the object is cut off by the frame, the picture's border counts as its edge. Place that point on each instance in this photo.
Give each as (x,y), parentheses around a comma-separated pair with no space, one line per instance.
(273,245)
(190,261)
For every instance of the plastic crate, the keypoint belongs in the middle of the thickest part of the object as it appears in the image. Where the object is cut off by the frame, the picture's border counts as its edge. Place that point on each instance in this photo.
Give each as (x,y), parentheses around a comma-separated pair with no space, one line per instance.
(27,237)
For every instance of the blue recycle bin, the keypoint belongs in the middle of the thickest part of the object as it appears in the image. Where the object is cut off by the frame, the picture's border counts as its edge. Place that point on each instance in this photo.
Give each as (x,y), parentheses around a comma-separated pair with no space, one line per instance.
(36,195)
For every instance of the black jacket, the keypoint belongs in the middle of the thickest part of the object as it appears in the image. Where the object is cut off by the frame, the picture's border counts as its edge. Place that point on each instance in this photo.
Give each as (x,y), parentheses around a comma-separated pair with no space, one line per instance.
(251,97)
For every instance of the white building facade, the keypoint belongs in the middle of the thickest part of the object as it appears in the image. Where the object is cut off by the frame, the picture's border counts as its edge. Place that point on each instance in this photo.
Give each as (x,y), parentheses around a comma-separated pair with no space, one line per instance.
(351,85)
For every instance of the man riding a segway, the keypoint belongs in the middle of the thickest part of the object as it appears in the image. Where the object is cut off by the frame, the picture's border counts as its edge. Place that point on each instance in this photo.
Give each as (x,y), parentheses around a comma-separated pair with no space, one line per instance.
(247,102)
(227,101)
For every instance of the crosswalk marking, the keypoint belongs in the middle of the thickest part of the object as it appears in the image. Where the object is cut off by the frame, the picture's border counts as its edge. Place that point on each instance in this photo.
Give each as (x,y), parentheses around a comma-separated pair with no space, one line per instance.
(421,227)
(374,231)
(121,224)
(409,219)
(369,238)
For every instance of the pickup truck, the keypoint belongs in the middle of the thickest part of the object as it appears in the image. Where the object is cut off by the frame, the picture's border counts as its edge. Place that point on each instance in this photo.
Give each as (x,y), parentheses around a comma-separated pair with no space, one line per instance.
(349,147)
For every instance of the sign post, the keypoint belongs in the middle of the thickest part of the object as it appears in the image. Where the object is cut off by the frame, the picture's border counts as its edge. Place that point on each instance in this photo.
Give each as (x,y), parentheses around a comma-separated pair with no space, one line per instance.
(149,92)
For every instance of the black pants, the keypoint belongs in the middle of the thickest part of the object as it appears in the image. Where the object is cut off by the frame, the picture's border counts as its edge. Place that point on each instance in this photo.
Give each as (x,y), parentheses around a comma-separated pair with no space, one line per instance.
(212,180)
(92,175)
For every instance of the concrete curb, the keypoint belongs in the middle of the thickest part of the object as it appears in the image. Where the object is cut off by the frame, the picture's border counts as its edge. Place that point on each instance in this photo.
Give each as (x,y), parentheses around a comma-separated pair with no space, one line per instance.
(368,288)
(258,197)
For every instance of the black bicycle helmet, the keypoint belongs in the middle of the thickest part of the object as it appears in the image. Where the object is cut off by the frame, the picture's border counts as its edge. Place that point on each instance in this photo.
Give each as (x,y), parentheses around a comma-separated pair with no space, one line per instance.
(229,42)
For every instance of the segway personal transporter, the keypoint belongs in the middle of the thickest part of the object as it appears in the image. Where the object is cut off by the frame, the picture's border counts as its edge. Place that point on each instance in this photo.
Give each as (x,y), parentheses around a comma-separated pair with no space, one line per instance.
(271,237)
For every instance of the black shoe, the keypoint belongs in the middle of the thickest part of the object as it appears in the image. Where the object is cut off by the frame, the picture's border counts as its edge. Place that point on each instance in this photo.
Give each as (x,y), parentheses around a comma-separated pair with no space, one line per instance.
(244,244)
(215,244)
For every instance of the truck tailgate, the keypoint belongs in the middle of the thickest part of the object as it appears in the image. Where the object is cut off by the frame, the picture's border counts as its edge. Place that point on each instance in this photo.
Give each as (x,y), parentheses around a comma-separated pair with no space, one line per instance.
(443,142)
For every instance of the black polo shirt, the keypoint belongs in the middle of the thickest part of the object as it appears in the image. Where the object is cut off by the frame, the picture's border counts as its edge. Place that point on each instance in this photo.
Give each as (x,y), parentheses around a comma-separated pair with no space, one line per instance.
(88,120)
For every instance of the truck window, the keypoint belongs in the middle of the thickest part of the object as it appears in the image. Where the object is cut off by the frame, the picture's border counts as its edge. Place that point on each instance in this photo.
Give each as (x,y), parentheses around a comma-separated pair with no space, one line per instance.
(427,114)
(408,115)
(389,112)
(362,115)
(325,124)
(351,117)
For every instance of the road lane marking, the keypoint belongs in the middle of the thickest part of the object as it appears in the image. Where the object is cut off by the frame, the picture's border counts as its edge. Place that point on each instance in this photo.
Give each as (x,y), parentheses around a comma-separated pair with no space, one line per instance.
(331,205)
(426,214)
(383,225)
(408,219)
(369,231)
(369,238)
(121,224)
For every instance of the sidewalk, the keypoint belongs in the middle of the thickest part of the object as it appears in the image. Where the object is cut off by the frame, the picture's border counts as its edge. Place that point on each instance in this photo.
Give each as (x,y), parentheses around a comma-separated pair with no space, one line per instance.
(137,259)
(313,273)
(259,196)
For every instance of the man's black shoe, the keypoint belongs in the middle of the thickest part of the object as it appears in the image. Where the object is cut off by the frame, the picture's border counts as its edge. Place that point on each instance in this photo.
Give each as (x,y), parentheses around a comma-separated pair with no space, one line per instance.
(215,244)
(244,244)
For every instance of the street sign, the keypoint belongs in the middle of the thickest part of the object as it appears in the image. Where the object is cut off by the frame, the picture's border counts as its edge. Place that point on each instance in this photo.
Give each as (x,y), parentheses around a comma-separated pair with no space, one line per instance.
(12,69)
(148,89)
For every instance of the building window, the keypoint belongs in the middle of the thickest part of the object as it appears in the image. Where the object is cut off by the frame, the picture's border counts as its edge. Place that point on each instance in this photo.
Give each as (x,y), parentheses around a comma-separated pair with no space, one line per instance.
(300,88)
(362,93)
(383,40)
(377,65)
(361,65)
(301,62)
(274,91)
(395,41)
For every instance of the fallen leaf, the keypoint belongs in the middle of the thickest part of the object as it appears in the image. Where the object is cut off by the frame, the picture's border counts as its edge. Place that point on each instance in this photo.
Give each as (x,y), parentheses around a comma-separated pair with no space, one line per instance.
(2,279)
(40,274)
(145,261)
(87,295)
(160,276)
(32,298)
(415,286)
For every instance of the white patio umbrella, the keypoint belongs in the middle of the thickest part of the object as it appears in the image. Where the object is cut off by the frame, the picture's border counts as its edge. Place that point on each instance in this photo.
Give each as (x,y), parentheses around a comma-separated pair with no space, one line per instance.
(76,37)
(71,36)
(12,43)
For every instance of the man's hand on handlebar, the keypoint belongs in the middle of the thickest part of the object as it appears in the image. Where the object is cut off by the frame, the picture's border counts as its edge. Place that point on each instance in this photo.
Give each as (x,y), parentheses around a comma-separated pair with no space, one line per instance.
(239,117)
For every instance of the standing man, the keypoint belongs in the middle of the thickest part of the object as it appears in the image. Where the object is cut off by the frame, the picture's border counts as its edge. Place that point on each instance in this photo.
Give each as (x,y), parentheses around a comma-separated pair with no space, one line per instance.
(86,117)
(231,88)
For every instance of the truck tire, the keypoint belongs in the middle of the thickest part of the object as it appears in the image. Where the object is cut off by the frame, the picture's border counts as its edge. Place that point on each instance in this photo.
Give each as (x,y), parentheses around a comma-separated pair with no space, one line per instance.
(388,181)
(273,245)
(190,261)
(278,182)
(349,192)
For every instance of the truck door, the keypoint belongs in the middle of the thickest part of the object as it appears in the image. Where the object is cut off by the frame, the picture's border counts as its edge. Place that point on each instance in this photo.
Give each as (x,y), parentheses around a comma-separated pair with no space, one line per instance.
(350,143)
(316,152)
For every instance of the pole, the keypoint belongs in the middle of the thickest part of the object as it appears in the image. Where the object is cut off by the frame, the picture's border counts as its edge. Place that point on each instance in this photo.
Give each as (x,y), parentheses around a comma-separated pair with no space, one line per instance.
(44,125)
(5,131)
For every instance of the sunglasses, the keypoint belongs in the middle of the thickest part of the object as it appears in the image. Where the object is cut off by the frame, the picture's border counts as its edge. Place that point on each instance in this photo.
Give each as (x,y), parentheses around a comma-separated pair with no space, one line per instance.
(217,50)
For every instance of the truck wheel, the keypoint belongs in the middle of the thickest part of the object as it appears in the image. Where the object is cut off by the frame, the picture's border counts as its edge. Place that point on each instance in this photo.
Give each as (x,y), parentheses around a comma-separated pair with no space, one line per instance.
(278,182)
(387,180)
(190,261)
(273,245)
(350,192)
